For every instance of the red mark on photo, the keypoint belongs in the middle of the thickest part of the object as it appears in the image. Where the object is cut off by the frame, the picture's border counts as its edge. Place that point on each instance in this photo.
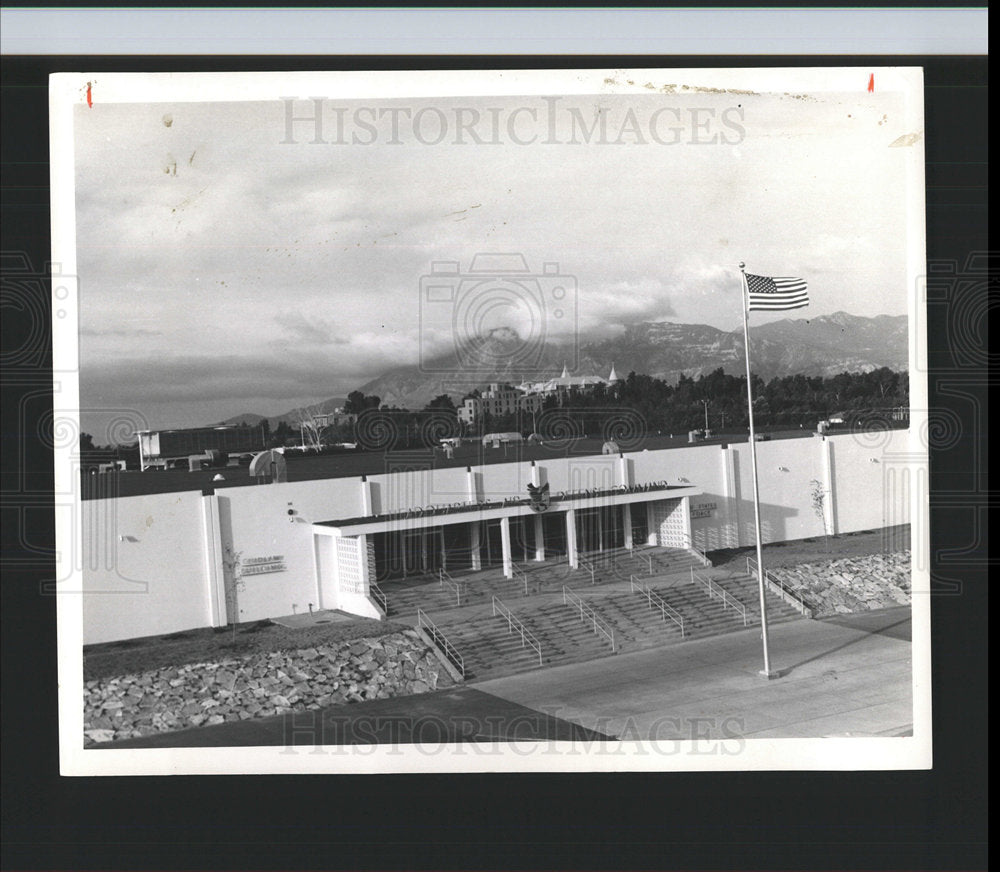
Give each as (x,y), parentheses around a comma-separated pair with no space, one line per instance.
(871,84)
(90,101)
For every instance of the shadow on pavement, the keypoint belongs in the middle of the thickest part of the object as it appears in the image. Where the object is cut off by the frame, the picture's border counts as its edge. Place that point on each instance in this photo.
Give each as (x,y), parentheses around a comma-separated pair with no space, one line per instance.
(443,717)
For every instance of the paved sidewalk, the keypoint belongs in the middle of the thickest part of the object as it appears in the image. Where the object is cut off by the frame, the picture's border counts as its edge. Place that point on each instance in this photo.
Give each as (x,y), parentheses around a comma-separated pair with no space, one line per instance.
(848,676)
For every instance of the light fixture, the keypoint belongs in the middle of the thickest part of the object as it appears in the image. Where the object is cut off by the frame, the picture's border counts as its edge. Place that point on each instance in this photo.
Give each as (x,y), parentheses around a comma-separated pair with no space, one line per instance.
(782,469)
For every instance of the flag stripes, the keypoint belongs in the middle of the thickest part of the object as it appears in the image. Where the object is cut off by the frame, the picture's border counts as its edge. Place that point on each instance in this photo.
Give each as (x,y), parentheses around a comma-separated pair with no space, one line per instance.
(771,294)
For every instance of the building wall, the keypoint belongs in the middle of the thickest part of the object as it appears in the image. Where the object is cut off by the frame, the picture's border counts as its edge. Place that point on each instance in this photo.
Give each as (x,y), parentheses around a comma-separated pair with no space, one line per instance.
(145,566)
(169,554)
(255,524)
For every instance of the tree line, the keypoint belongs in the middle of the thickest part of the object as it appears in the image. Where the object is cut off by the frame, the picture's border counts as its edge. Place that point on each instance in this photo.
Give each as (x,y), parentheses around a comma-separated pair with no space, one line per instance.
(638,405)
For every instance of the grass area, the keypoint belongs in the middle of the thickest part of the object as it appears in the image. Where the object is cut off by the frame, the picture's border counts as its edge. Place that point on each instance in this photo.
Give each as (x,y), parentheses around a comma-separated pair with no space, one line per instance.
(207,644)
(816,549)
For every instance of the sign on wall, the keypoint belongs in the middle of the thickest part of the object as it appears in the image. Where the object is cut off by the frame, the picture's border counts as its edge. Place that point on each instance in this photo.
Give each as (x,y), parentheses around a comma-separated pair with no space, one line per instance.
(263,565)
(702,510)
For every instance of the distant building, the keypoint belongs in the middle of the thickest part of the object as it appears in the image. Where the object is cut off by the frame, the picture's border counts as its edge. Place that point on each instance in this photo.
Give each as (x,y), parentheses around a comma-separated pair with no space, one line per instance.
(504,399)
(566,384)
(159,447)
(335,418)
(499,399)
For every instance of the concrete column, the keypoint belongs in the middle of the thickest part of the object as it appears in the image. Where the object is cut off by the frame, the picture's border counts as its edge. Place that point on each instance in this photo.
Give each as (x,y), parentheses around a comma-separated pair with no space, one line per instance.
(539,538)
(600,528)
(571,553)
(508,562)
(471,487)
(477,558)
(366,497)
(627,524)
(652,537)
(215,570)
(731,491)
(623,471)
(830,501)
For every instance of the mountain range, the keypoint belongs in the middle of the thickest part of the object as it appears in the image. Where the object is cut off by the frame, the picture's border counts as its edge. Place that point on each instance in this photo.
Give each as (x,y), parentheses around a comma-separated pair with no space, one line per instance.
(823,346)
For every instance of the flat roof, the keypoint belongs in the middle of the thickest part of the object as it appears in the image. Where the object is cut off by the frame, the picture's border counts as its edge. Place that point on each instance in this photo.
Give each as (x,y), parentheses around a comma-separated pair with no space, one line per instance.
(459,512)
(350,463)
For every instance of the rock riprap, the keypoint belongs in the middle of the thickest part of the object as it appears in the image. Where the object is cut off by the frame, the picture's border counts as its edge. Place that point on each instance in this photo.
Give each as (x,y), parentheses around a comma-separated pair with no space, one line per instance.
(853,584)
(259,686)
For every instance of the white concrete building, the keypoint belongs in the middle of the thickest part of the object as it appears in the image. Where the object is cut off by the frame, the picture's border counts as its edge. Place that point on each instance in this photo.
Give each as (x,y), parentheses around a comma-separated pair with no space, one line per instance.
(162,563)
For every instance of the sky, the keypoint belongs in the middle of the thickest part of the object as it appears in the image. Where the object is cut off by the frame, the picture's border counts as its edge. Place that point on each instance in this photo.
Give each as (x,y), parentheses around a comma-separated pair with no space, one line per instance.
(229,263)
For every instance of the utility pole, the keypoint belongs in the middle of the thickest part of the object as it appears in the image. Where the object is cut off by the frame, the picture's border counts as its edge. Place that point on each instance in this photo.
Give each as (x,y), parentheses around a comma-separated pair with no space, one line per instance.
(705,403)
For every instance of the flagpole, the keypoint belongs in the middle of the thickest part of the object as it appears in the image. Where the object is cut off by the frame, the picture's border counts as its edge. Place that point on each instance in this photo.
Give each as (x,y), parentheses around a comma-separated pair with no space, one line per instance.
(766,672)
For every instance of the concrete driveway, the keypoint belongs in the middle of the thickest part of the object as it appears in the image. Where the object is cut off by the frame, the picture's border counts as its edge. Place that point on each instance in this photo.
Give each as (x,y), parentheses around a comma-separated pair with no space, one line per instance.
(846,676)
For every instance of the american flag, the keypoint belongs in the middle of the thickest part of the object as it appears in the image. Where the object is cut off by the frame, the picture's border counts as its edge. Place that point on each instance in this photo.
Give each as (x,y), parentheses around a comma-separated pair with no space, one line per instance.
(776,293)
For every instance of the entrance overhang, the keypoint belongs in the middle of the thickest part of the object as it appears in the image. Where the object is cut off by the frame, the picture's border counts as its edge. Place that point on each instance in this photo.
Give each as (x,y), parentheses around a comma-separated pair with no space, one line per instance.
(466,512)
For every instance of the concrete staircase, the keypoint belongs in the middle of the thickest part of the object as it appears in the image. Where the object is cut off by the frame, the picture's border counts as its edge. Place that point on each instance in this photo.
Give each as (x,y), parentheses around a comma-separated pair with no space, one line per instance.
(426,592)
(744,588)
(489,650)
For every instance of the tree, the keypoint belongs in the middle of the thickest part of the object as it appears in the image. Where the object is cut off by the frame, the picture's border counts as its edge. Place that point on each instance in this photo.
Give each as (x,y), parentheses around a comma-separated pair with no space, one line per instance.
(442,401)
(355,403)
(233,564)
(281,434)
(818,494)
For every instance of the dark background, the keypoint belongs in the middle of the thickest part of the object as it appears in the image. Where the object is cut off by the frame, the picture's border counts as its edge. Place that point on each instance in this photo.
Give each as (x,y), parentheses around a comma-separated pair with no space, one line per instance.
(893,820)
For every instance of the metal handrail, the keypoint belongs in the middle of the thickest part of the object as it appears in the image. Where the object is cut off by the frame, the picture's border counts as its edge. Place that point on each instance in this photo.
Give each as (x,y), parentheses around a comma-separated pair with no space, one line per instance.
(381,600)
(441,640)
(653,598)
(697,551)
(512,622)
(444,578)
(648,560)
(635,552)
(715,590)
(524,576)
(584,564)
(587,612)
(780,589)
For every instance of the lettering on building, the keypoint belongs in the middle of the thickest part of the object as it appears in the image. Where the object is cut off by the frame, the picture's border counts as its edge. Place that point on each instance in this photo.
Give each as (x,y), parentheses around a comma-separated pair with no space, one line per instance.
(264,565)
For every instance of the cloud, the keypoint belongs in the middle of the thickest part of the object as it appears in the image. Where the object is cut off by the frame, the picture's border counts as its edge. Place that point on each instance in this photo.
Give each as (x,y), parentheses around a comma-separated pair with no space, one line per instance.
(263,270)
(310,331)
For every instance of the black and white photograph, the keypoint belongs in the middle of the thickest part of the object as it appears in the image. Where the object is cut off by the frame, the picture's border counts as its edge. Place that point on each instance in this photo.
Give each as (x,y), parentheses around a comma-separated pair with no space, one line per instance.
(474,421)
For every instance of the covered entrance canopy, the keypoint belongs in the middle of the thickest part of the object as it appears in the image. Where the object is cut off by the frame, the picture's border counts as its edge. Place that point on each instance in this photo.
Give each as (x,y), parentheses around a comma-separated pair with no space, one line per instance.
(474,535)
